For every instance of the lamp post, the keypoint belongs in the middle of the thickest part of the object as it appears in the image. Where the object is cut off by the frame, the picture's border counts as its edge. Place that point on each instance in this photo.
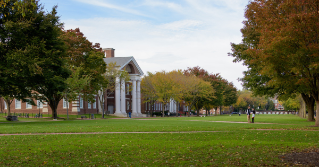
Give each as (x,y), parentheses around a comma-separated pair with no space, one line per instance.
(67,106)
(39,109)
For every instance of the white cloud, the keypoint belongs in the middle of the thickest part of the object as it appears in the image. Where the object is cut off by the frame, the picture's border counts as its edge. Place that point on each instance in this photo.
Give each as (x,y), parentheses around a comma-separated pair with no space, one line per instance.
(165,4)
(102,3)
(202,39)
(182,25)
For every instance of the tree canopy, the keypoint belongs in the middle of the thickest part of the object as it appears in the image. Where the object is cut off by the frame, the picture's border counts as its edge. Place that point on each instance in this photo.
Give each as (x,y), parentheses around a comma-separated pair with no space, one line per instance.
(280,48)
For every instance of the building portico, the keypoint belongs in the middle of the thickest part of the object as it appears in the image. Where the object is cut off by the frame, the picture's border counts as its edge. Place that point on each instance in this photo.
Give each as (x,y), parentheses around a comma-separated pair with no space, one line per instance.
(127,96)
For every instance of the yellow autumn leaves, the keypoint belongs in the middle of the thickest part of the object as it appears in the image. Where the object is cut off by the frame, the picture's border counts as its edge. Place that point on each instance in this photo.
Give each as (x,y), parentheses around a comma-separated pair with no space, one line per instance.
(174,85)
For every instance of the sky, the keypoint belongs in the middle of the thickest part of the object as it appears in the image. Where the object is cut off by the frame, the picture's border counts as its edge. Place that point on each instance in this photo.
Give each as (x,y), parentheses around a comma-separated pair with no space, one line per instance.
(162,34)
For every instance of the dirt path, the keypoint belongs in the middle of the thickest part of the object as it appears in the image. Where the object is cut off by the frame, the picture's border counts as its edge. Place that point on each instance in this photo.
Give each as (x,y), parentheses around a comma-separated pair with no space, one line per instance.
(239,122)
(106,133)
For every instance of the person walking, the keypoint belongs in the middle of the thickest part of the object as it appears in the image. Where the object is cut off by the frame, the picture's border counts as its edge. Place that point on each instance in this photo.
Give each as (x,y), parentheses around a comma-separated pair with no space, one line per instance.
(253,115)
(248,114)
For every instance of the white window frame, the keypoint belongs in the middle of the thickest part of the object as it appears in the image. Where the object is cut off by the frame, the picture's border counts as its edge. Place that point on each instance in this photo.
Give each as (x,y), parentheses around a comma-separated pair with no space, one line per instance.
(17,102)
(65,103)
(127,105)
(94,105)
(28,105)
(81,102)
(89,105)
(41,104)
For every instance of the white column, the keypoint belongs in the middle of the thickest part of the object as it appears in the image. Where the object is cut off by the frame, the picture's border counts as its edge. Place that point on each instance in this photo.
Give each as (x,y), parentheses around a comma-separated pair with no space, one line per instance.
(134,101)
(123,97)
(138,92)
(117,96)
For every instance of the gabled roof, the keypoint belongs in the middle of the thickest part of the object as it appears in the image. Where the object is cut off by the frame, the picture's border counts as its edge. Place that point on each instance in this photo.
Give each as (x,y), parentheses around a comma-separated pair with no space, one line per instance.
(123,61)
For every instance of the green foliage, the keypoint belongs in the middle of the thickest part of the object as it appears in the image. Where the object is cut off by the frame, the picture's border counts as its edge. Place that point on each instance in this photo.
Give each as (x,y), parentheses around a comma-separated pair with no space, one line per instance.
(224,92)
(87,58)
(31,52)
(20,47)
(246,98)
(280,48)
(292,103)
(270,105)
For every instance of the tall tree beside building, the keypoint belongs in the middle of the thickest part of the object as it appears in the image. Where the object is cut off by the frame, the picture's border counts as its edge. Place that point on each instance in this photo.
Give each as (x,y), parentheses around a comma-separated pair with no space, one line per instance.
(88,58)
(166,86)
(26,36)
(283,55)
(52,52)
(224,92)
(87,68)
(148,91)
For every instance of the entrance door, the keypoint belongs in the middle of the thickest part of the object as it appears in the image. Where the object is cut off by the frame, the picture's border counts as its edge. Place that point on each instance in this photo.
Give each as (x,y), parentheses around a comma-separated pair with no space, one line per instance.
(110,108)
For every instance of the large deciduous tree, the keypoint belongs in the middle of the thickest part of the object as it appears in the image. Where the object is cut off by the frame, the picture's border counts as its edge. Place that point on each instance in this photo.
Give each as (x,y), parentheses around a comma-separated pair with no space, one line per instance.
(28,47)
(283,54)
(148,91)
(224,92)
(88,58)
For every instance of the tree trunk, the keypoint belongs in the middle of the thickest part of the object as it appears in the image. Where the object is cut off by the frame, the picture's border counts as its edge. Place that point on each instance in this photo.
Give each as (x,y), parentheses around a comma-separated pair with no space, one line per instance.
(8,102)
(189,111)
(302,109)
(215,111)
(177,109)
(317,110)
(53,105)
(310,107)
(310,102)
(197,110)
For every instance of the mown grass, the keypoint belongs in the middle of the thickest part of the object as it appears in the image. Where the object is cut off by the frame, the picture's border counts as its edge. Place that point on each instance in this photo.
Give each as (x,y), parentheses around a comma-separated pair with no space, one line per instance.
(171,124)
(235,144)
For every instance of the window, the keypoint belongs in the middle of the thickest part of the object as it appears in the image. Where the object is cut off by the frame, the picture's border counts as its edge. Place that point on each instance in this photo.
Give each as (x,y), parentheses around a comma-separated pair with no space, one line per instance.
(127,89)
(28,105)
(94,105)
(5,105)
(89,105)
(127,105)
(81,102)
(39,104)
(18,104)
(65,104)
(128,69)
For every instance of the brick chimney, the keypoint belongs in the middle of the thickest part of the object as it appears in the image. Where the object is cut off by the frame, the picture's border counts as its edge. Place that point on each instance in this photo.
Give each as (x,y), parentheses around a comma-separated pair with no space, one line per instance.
(108,52)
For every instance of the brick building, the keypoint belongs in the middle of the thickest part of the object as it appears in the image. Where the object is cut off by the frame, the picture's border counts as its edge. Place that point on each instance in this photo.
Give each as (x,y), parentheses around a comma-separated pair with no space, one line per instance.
(126,97)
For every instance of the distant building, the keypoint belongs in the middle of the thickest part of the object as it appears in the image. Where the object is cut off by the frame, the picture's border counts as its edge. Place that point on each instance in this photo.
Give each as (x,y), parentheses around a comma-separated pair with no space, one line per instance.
(278,106)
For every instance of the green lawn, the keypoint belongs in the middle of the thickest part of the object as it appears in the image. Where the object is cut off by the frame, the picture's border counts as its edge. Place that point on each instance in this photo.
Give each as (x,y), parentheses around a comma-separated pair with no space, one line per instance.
(234,144)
